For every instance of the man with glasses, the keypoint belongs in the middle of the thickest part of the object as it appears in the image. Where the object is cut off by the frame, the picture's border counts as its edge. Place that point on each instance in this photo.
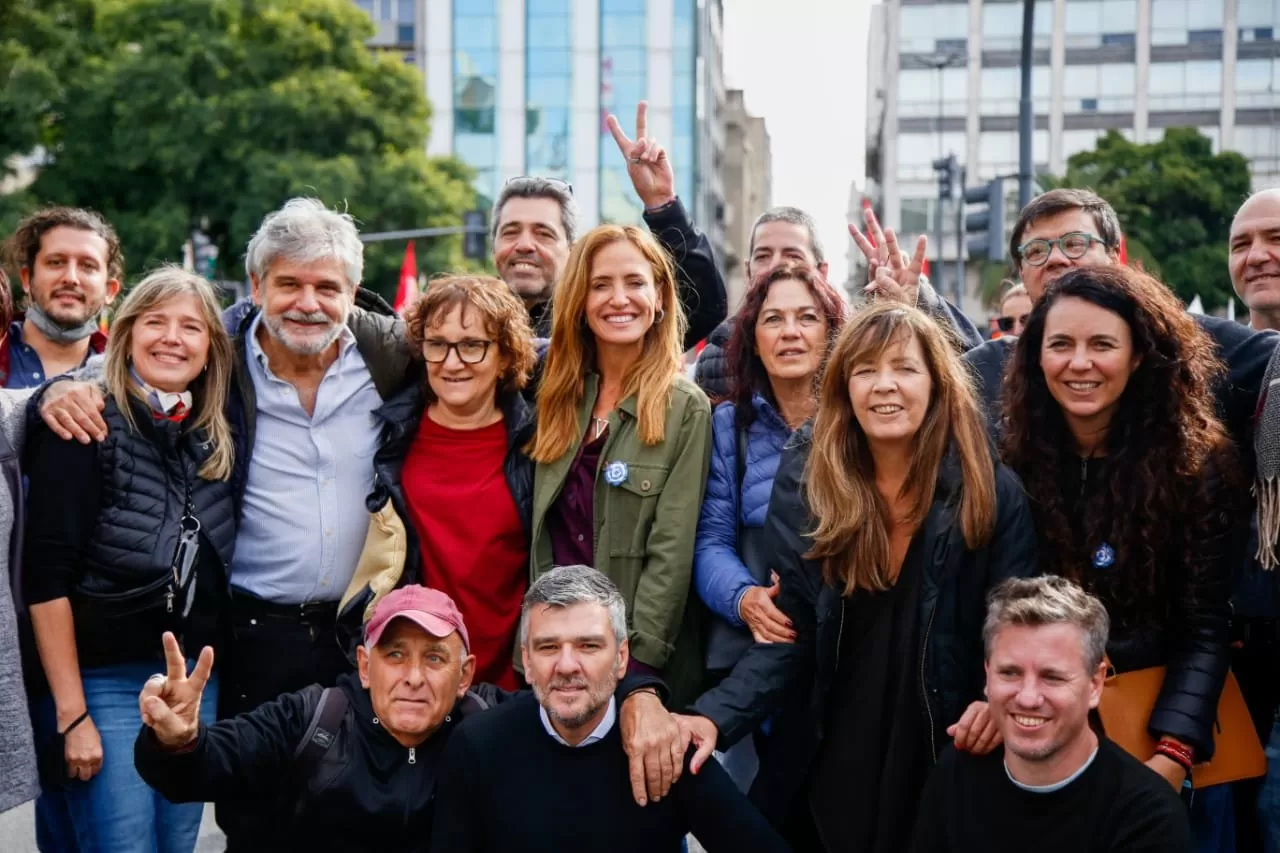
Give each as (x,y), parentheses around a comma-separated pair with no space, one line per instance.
(535,221)
(1069,228)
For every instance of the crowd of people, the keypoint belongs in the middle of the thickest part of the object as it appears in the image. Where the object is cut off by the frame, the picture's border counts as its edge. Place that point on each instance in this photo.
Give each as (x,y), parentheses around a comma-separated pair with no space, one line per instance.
(496,575)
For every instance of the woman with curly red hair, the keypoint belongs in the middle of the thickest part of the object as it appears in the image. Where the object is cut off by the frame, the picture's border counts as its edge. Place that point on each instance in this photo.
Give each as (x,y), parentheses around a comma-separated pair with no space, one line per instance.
(1109,421)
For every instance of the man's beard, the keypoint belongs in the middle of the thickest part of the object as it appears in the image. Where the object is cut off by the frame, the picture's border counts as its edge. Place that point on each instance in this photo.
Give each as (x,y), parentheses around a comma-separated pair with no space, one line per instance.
(597,697)
(308,346)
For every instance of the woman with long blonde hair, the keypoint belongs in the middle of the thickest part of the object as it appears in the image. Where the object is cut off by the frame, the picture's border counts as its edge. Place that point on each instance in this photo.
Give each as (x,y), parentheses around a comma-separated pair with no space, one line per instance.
(622,444)
(127,541)
(890,521)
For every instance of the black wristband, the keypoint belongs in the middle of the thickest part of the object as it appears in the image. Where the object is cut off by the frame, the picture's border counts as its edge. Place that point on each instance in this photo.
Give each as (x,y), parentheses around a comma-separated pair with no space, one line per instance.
(78,720)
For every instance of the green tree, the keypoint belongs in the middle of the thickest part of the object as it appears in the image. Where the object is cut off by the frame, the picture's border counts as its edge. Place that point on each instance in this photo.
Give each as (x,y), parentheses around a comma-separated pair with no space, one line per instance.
(210,113)
(1175,199)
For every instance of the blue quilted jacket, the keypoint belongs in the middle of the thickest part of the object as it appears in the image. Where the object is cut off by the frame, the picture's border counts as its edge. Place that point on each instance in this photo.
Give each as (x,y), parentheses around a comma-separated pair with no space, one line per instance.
(718,573)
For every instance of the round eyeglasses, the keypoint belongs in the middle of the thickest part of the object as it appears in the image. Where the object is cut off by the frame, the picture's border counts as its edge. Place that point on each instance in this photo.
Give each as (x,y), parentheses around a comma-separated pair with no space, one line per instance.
(1073,245)
(469,351)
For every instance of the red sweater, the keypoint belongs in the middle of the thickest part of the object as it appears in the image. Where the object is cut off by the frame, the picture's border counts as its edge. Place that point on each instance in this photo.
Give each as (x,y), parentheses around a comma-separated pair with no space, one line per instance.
(474,547)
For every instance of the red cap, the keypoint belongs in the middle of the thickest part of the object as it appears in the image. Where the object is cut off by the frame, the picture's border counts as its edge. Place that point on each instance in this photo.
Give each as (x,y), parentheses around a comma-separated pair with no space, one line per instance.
(429,609)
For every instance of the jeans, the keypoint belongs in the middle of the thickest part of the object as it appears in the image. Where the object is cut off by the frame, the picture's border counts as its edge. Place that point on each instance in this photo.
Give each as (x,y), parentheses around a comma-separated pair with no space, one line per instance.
(115,811)
(741,762)
(1269,796)
(1213,820)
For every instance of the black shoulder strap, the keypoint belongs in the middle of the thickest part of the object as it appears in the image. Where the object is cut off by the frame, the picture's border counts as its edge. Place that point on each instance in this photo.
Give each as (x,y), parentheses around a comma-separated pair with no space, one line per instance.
(321,733)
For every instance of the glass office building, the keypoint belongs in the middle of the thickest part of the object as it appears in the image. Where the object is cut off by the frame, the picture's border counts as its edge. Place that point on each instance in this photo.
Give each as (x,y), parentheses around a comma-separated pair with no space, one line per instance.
(523,87)
(946,80)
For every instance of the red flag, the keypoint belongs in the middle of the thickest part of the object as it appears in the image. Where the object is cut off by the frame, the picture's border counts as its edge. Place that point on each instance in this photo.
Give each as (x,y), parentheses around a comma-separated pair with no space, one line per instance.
(1124,253)
(408,289)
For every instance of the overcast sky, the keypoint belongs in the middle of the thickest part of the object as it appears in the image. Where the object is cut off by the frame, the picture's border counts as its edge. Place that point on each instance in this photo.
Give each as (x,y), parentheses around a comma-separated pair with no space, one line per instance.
(802,66)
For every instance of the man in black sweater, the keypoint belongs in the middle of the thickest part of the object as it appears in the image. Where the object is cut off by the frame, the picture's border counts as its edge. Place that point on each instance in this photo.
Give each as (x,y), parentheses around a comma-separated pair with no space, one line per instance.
(549,773)
(1055,784)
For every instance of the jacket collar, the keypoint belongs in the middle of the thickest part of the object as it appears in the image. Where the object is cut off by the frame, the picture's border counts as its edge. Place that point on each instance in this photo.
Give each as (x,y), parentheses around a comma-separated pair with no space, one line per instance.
(406,408)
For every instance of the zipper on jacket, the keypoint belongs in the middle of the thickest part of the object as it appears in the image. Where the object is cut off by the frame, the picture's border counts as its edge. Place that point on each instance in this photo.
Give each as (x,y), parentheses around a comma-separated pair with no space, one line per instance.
(924,651)
(168,600)
(413,755)
(840,633)
(1084,474)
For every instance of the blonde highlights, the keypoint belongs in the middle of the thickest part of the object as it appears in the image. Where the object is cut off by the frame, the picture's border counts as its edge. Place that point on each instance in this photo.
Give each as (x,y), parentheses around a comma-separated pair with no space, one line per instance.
(573,349)
(210,387)
(853,519)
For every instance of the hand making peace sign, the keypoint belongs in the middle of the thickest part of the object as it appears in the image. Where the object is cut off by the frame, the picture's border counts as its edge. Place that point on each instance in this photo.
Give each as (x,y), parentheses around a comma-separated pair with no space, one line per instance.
(170,704)
(890,273)
(647,163)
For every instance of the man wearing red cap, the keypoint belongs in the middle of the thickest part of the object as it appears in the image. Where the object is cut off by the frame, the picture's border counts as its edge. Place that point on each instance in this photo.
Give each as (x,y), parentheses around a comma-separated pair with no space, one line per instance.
(352,767)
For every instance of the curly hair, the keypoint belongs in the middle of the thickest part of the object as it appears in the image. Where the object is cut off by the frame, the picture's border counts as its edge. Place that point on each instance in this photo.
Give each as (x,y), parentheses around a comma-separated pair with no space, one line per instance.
(21,249)
(1165,449)
(501,313)
(749,376)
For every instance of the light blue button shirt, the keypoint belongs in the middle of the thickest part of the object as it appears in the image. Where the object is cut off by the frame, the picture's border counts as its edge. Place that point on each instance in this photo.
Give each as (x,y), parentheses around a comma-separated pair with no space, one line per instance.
(305,521)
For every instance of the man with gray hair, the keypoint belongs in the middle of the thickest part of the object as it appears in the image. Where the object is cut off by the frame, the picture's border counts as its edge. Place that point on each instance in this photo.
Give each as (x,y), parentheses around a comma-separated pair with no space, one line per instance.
(1055,783)
(547,772)
(535,221)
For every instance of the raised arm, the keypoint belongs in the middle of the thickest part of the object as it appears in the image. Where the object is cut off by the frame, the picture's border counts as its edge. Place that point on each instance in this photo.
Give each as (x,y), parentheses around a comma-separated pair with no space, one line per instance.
(700,284)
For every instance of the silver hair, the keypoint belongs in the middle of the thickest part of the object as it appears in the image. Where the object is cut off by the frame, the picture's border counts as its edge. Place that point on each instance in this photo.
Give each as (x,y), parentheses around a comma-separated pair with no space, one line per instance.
(795,216)
(1048,600)
(1014,289)
(531,186)
(565,586)
(305,231)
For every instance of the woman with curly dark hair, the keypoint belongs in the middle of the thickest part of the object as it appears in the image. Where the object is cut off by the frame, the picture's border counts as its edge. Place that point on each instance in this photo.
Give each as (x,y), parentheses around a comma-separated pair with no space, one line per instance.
(1109,421)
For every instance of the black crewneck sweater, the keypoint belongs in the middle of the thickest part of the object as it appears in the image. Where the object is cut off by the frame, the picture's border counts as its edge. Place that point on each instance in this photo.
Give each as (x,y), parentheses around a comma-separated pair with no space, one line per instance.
(505,784)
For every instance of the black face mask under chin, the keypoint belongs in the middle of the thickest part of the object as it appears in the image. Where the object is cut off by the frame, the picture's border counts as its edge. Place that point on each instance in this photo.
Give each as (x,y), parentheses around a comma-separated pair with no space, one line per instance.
(55,331)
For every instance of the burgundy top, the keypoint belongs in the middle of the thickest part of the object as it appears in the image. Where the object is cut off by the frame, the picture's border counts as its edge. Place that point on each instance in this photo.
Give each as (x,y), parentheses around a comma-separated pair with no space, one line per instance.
(571,520)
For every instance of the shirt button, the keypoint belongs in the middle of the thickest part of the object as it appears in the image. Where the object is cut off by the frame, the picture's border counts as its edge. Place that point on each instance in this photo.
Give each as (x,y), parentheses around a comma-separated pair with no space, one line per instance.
(579,537)
(644,485)
(35,375)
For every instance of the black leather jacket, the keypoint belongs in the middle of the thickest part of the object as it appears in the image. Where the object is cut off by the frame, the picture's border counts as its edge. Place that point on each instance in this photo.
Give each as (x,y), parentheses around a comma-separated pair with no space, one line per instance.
(794,681)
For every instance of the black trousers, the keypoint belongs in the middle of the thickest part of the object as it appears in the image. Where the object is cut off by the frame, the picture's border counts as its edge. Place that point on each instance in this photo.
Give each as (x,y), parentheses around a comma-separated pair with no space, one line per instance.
(274,649)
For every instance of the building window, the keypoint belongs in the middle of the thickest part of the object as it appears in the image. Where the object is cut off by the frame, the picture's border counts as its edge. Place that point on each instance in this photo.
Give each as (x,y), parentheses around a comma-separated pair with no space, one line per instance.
(1257,34)
(1088,20)
(548,89)
(1173,21)
(684,82)
(404,33)
(1002,25)
(1253,14)
(1257,83)
(1118,39)
(475,86)
(405,11)
(924,29)
(919,95)
(1204,36)
(1098,88)
(1193,85)
(623,82)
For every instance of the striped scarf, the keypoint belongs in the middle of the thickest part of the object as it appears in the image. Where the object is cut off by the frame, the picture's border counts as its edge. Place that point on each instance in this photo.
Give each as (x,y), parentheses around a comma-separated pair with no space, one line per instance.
(1266,446)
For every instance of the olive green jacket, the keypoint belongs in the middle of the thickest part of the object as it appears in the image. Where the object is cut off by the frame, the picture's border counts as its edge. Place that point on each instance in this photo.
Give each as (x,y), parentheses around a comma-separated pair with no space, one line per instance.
(644,526)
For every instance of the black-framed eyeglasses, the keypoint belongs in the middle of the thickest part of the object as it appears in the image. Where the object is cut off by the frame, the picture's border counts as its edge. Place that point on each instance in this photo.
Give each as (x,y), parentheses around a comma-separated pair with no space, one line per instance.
(565,185)
(469,351)
(1073,245)
(1008,324)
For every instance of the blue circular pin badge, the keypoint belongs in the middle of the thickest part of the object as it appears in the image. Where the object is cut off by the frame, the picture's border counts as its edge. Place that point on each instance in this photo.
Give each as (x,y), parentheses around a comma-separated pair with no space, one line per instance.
(615,473)
(1104,557)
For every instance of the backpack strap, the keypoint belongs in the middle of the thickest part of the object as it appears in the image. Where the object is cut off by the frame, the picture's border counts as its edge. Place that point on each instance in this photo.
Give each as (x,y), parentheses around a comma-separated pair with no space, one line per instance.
(321,733)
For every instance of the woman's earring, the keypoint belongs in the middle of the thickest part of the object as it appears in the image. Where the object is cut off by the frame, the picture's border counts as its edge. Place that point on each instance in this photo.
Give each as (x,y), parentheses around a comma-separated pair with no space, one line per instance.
(660,316)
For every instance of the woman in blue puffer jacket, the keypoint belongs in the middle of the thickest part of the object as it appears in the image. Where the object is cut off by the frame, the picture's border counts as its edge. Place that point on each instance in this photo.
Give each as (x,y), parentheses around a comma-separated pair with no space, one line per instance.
(780,341)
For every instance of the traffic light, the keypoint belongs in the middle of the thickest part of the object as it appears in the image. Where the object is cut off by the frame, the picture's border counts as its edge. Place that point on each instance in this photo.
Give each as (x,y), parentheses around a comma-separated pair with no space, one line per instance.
(985,226)
(950,181)
(473,238)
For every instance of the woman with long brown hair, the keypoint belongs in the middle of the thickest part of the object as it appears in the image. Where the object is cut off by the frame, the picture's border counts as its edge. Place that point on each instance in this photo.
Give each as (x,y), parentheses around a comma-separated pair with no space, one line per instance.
(890,522)
(622,443)
(1109,420)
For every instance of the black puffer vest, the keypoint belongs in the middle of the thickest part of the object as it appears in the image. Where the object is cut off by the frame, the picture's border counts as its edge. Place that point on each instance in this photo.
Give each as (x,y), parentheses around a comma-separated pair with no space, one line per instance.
(146,475)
